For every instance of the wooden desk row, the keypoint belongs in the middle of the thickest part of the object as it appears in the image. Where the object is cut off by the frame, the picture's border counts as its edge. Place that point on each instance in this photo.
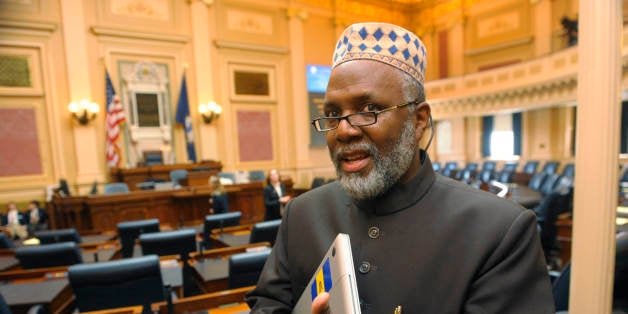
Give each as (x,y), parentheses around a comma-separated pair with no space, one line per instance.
(53,291)
(133,176)
(173,207)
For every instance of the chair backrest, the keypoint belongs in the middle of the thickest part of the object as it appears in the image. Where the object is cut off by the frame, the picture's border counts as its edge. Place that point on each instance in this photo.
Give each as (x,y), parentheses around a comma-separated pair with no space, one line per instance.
(218,221)
(119,283)
(448,172)
(472,166)
(453,165)
(129,231)
(436,166)
(317,181)
(549,184)
(489,165)
(530,166)
(537,181)
(265,231)
(49,255)
(227,176)
(485,175)
(569,170)
(505,176)
(245,268)
(178,175)
(464,175)
(5,242)
(116,187)
(550,167)
(560,286)
(59,235)
(180,242)
(510,167)
(257,175)
(153,157)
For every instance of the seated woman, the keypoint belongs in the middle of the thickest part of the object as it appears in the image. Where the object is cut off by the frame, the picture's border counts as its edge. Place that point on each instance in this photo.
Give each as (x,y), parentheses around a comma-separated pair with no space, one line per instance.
(219,201)
(274,196)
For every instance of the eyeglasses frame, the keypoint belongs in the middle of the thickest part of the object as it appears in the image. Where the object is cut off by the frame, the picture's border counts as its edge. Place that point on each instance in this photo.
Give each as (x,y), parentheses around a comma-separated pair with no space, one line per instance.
(376,113)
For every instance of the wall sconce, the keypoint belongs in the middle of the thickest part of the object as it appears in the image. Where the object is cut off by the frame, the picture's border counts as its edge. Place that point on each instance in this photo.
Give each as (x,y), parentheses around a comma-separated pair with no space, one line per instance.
(210,111)
(83,111)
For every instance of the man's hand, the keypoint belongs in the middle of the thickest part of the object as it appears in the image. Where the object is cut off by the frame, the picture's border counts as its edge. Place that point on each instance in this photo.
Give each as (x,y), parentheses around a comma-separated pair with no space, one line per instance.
(320,305)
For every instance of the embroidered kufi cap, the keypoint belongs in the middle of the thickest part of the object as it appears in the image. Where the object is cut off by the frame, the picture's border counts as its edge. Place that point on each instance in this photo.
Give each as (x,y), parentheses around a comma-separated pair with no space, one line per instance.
(383,42)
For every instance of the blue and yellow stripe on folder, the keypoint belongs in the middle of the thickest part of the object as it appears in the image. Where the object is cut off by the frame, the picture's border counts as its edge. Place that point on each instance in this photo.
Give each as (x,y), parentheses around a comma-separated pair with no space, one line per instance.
(323,280)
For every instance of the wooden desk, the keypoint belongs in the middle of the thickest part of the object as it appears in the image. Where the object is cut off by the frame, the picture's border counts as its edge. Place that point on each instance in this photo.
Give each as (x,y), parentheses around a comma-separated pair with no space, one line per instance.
(55,295)
(8,262)
(221,302)
(172,207)
(232,236)
(212,268)
(133,176)
(524,196)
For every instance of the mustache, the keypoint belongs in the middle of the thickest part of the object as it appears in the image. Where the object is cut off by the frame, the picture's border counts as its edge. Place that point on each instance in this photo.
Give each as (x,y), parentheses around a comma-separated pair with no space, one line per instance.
(338,151)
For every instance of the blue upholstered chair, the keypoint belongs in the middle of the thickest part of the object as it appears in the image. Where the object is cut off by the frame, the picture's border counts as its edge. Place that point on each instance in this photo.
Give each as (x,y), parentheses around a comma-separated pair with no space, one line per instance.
(119,283)
(153,157)
(177,175)
(550,167)
(257,175)
(317,181)
(179,242)
(265,231)
(116,187)
(49,255)
(218,221)
(436,166)
(530,167)
(59,235)
(129,231)
(560,286)
(227,176)
(569,170)
(489,165)
(5,242)
(510,167)
(245,268)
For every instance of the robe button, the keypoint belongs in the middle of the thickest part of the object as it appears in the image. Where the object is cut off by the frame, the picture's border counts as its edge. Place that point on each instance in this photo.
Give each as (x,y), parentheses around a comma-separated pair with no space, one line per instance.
(365,267)
(373,232)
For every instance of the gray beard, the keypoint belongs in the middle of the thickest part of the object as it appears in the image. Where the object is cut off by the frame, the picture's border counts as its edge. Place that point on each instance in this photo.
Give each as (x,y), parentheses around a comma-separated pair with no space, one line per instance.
(387,169)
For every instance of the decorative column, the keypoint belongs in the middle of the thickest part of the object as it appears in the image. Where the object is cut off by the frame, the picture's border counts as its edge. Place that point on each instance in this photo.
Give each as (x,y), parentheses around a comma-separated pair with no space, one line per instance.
(542,10)
(88,164)
(595,197)
(299,90)
(202,34)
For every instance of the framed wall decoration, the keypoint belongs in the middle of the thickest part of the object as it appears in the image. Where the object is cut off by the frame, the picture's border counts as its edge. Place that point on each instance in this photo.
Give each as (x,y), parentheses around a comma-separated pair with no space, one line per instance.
(252,83)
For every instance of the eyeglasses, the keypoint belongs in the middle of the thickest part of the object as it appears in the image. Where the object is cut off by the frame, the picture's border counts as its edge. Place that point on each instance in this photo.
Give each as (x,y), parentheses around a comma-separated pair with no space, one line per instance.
(325,124)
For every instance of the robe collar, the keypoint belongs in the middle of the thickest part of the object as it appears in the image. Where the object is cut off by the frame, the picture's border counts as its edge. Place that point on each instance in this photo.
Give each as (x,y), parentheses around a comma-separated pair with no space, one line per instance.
(402,196)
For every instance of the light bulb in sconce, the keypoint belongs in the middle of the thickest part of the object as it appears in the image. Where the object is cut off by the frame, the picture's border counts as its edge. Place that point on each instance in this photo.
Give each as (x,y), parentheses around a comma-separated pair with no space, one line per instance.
(210,111)
(83,111)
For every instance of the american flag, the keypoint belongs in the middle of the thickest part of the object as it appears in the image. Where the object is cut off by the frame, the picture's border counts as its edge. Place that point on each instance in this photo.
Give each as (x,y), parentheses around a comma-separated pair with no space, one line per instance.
(115,117)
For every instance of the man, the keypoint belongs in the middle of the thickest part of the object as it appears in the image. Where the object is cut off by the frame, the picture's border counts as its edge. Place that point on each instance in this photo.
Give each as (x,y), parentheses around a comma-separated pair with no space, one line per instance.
(421,243)
(37,218)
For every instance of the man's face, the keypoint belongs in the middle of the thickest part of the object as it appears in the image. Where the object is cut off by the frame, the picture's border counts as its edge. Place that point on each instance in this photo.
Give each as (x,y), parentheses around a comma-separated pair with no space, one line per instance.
(370,159)
(12,206)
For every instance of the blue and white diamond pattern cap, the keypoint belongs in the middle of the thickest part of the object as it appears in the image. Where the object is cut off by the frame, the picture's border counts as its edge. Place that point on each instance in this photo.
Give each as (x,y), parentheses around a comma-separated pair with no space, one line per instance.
(383,42)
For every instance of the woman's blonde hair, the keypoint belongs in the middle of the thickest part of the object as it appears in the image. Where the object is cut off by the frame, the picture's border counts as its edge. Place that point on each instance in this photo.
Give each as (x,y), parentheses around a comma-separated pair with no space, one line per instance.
(218,187)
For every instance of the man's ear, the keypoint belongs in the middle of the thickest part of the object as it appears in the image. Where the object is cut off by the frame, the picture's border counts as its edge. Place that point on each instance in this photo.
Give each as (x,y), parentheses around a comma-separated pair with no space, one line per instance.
(422,119)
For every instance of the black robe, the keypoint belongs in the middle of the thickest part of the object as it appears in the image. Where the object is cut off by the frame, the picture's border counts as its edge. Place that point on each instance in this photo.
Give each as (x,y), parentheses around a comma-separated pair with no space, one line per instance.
(432,245)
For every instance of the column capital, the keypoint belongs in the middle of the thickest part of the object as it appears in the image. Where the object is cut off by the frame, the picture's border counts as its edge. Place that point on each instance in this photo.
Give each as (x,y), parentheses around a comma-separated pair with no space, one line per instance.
(299,13)
(207,3)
